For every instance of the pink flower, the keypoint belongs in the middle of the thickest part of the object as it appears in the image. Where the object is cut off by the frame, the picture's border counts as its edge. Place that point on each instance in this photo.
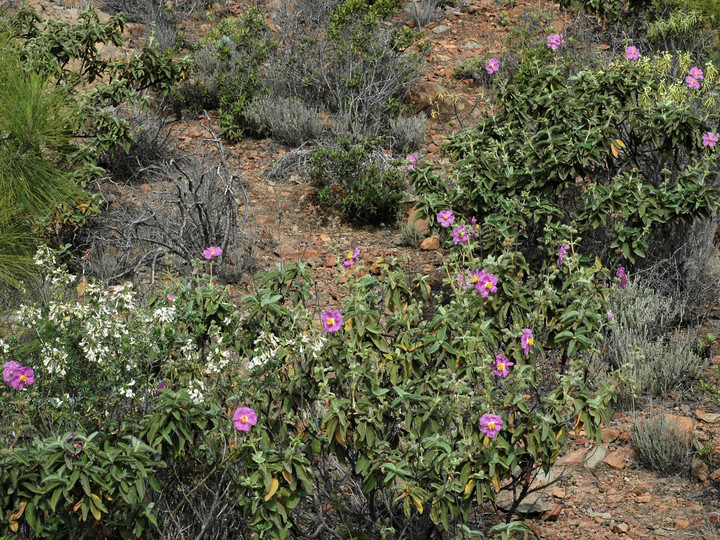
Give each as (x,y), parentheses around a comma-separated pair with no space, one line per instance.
(22,377)
(556,41)
(486,284)
(710,139)
(697,73)
(212,251)
(692,82)
(632,53)
(491,424)
(475,226)
(445,218)
(332,320)
(9,370)
(527,341)
(160,386)
(500,366)
(492,65)
(461,234)
(171,298)
(244,418)
(350,258)
(411,161)
(561,253)
(623,277)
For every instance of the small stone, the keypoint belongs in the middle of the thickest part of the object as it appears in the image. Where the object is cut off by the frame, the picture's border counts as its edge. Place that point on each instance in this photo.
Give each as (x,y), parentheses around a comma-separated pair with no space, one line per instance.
(472,45)
(431,243)
(610,434)
(646,498)
(571,458)
(710,418)
(684,424)
(620,527)
(441,29)
(558,493)
(715,475)
(324,238)
(620,457)
(682,523)
(532,504)
(595,457)
(553,514)
(700,470)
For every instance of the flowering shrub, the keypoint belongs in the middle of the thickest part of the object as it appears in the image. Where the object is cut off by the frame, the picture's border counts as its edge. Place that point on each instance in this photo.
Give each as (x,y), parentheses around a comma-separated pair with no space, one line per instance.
(423,406)
(613,155)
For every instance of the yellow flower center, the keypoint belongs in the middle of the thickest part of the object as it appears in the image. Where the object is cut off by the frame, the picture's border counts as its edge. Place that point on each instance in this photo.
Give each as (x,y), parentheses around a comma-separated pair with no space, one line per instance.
(491,426)
(488,284)
(349,255)
(530,341)
(23,378)
(475,279)
(244,419)
(330,321)
(500,366)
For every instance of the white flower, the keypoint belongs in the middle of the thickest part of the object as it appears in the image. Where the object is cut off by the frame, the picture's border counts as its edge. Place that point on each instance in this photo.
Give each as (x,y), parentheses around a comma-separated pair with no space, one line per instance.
(195,389)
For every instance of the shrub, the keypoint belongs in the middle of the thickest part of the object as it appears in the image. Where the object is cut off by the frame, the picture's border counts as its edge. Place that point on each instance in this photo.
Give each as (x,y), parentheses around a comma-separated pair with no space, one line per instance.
(357,179)
(407,133)
(396,417)
(287,120)
(156,16)
(188,205)
(151,146)
(661,445)
(37,172)
(226,69)
(653,355)
(423,11)
(343,59)
(613,153)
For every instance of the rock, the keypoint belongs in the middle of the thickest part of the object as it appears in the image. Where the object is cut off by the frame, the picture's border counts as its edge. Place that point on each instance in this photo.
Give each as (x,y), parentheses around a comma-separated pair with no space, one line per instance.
(620,527)
(375,267)
(620,457)
(430,244)
(542,479)
(558,493)
(423,225)
(472,45)
(644,498)
(684,424)
(710,418)
(424,95)
(595,457)
(553,514)
(700,470)
(571,459)
(682,523)
(534,503)
(610,434)
(715,475)
(441,29)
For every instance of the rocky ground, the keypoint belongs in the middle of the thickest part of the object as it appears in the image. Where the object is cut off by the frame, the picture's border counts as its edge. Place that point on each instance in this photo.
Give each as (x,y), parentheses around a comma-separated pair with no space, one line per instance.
(599,491)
